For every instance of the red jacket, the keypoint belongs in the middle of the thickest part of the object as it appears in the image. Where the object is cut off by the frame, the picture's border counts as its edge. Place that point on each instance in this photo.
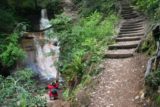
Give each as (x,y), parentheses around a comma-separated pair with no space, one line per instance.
(51,87)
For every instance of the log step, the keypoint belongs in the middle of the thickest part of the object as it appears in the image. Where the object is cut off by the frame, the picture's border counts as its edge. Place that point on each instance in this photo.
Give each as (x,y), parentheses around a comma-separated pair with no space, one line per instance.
(130,17)
(121,53)
(129,29)
(129,14)
(131,35)
(127,8)
(135,38)
(131,32)
(131,26)
(134,21)
(126,11)
(124,45)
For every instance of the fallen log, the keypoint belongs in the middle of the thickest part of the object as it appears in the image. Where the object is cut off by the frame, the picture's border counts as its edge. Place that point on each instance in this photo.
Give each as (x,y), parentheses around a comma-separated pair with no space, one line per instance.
(149,66)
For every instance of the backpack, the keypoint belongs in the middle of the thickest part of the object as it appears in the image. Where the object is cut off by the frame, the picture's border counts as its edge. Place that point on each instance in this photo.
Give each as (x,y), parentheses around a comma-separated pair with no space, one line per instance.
(54,91)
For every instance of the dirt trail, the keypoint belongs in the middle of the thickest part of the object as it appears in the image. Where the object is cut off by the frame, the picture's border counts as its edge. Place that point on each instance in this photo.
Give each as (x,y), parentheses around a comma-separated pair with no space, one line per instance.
(120,83)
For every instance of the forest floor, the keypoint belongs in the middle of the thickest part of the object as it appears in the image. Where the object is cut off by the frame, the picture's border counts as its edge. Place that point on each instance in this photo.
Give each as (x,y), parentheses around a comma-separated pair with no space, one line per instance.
(121,83)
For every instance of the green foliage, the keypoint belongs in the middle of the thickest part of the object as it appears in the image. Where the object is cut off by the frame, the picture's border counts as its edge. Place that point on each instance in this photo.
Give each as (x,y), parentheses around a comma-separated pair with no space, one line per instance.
(158,100)
(61,22)
(150,7)
(10,50)
(83,44)
(19,90)
(149,45)
(104,6)
(153,80)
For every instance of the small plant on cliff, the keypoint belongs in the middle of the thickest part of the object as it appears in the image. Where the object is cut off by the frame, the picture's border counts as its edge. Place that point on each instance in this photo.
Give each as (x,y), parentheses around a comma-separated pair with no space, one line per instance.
(10,50)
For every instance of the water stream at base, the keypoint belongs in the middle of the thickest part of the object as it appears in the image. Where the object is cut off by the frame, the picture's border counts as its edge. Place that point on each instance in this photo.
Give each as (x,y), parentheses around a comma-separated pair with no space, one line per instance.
(45,54)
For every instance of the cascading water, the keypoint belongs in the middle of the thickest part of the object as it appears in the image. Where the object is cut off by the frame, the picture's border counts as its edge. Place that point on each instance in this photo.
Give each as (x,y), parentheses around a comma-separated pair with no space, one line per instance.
(44,23)
(46,54)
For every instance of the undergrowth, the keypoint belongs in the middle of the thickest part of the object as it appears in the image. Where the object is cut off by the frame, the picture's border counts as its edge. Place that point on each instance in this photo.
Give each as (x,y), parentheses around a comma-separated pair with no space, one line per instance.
(19,90)
(151,8)
(153,88)
(152,82)
(149,45)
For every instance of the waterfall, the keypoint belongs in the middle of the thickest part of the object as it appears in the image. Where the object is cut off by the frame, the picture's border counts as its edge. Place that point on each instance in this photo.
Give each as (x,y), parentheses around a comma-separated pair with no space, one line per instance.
(46,51)
(44,21)
(47,55)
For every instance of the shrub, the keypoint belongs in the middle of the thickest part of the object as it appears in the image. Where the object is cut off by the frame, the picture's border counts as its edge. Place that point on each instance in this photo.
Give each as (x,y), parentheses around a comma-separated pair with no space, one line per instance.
(10,50)
(153,80)
(19,90)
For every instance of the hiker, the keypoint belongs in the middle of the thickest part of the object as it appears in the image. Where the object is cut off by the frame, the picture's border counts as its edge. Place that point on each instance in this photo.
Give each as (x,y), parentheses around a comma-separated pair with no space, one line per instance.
(53,90)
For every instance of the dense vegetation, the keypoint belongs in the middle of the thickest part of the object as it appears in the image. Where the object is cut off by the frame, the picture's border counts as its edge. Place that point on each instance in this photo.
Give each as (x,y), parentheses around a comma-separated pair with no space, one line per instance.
(82,46)
(151,8)
(17,92)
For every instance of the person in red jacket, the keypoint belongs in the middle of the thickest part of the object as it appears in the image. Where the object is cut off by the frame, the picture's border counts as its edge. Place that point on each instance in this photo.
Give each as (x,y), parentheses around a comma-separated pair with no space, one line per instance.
(53,90)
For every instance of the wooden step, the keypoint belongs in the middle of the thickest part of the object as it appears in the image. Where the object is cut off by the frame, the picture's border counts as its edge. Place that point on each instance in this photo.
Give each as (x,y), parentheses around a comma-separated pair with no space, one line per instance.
(132,25)
(133,21)
(131,35)
(131,32)
(124,45)
(127,8)
(120,53)
(130,29)
(129,14)
(135,38)
(130,17)
(127,11)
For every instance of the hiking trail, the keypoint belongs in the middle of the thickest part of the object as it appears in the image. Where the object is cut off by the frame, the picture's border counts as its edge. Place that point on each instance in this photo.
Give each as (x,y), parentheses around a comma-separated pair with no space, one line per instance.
(121,82)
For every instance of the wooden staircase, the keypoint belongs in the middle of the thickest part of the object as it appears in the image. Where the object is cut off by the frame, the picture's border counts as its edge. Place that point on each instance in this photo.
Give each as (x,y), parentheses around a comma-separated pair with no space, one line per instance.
(130,34)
